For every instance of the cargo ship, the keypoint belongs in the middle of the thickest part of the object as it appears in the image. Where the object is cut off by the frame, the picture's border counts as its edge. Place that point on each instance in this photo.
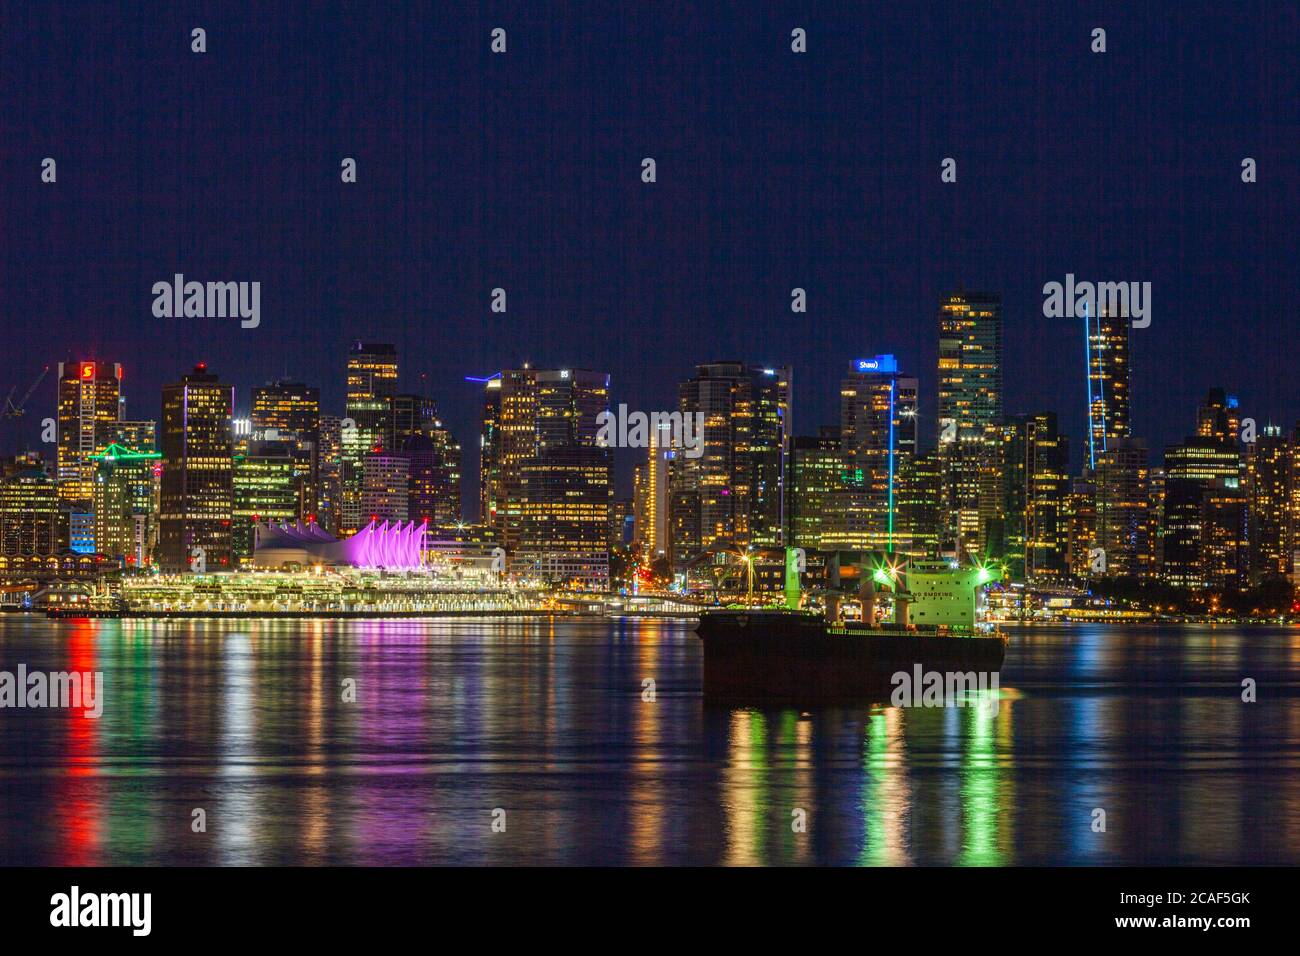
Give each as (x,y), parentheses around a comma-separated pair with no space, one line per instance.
(793,654)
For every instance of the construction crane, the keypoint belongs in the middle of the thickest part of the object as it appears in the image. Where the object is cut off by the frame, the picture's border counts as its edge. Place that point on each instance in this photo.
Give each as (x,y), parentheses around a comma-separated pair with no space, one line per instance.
(15,410)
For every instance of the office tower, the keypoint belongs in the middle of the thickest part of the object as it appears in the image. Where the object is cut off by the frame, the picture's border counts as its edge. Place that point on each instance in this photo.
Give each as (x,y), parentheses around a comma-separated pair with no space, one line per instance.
(878,435)
(970,414)
(1202,481)
(650,500)
(1108,375)
(268,484)
(368,423)
(32,518)
(916,505)
(385,487)
(1081,527)
(1218,417)
(1036,462)
(126,503)
(197,494)
(548,483)
(1123,508)
(289,412)
(90,398)
(622,524)
(489,443)
(434,493)
(732,495)
(329,496)
(1268,465)
(816,473)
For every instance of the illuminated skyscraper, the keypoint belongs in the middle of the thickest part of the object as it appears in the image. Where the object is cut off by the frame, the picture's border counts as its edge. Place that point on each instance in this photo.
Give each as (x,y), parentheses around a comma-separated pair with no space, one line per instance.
(1035,460)
(126,503)
(267,487)
(650,500)
(32,518)
(1123,508)
(289,412)
(197,495)
(368,423)
(489,473)
(1268,465)
(1107,355)
(970,416)
(732,495)
(816,474)
(1201,511)
(548,482)
(90,398)
(385,487)
(878,437)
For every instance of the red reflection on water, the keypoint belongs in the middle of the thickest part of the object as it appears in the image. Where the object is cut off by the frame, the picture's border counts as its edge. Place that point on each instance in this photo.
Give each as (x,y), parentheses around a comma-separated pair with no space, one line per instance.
(77,799)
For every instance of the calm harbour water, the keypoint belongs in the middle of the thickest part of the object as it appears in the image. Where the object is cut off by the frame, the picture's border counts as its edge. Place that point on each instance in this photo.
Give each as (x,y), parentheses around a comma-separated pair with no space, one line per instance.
(454,718)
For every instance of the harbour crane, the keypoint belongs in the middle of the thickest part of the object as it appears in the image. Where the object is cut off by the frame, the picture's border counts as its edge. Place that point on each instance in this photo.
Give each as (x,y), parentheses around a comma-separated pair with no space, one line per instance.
(14,409)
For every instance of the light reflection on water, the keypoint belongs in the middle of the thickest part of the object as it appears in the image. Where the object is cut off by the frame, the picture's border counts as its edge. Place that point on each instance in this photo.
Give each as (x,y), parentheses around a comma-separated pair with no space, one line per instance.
(547,721)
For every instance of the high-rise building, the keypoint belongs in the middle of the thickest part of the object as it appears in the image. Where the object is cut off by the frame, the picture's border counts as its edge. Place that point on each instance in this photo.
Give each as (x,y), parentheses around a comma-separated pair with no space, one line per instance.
(970,417)
(489,443)
(368,424)
(90,398)
(32,519)
(732,496)
(1202,477)
(1036,461)
(1123,508)
(268,484)
(289,412)
(916,505)
(878,437)
(650,498)
(126,503)
(197,493)
(1268,469)
(434,460)
(385,487)
(1108,377)
(549,483)
(816,473)
(329,497)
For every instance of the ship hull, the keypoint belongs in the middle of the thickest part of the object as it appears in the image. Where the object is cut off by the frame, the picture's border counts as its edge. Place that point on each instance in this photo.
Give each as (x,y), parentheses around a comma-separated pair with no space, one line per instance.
(767,655)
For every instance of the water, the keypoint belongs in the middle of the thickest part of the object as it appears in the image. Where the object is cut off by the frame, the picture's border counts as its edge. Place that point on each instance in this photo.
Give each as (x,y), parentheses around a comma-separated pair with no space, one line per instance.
(455,718)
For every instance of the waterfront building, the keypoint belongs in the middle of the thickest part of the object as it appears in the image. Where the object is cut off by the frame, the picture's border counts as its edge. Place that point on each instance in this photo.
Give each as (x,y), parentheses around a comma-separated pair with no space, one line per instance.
(1268,469)
(549,481)
(89,398)
(1202,483)
(650,497)
(126,488)
(267,487)
(368,423)
(1036,486)
(1123,508)
(816,474)
(385,486)
(289,412)
(33,520)
(732,495)
(878,438)
(970,417)
(196,497)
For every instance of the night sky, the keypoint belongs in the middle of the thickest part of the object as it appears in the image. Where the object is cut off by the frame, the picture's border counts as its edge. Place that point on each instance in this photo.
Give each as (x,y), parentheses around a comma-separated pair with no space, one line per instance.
(775,170)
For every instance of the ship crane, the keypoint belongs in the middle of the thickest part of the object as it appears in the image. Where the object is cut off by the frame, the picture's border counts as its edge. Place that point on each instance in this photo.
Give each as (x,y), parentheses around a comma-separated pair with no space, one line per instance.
(14,409)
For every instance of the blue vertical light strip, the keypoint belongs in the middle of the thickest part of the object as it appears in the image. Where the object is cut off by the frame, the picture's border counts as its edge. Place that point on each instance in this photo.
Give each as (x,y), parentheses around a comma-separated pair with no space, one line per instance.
(1087,377)
(892,383)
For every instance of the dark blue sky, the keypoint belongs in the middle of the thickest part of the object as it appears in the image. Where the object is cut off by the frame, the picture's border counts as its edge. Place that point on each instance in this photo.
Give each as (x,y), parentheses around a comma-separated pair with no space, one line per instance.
(775,170)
